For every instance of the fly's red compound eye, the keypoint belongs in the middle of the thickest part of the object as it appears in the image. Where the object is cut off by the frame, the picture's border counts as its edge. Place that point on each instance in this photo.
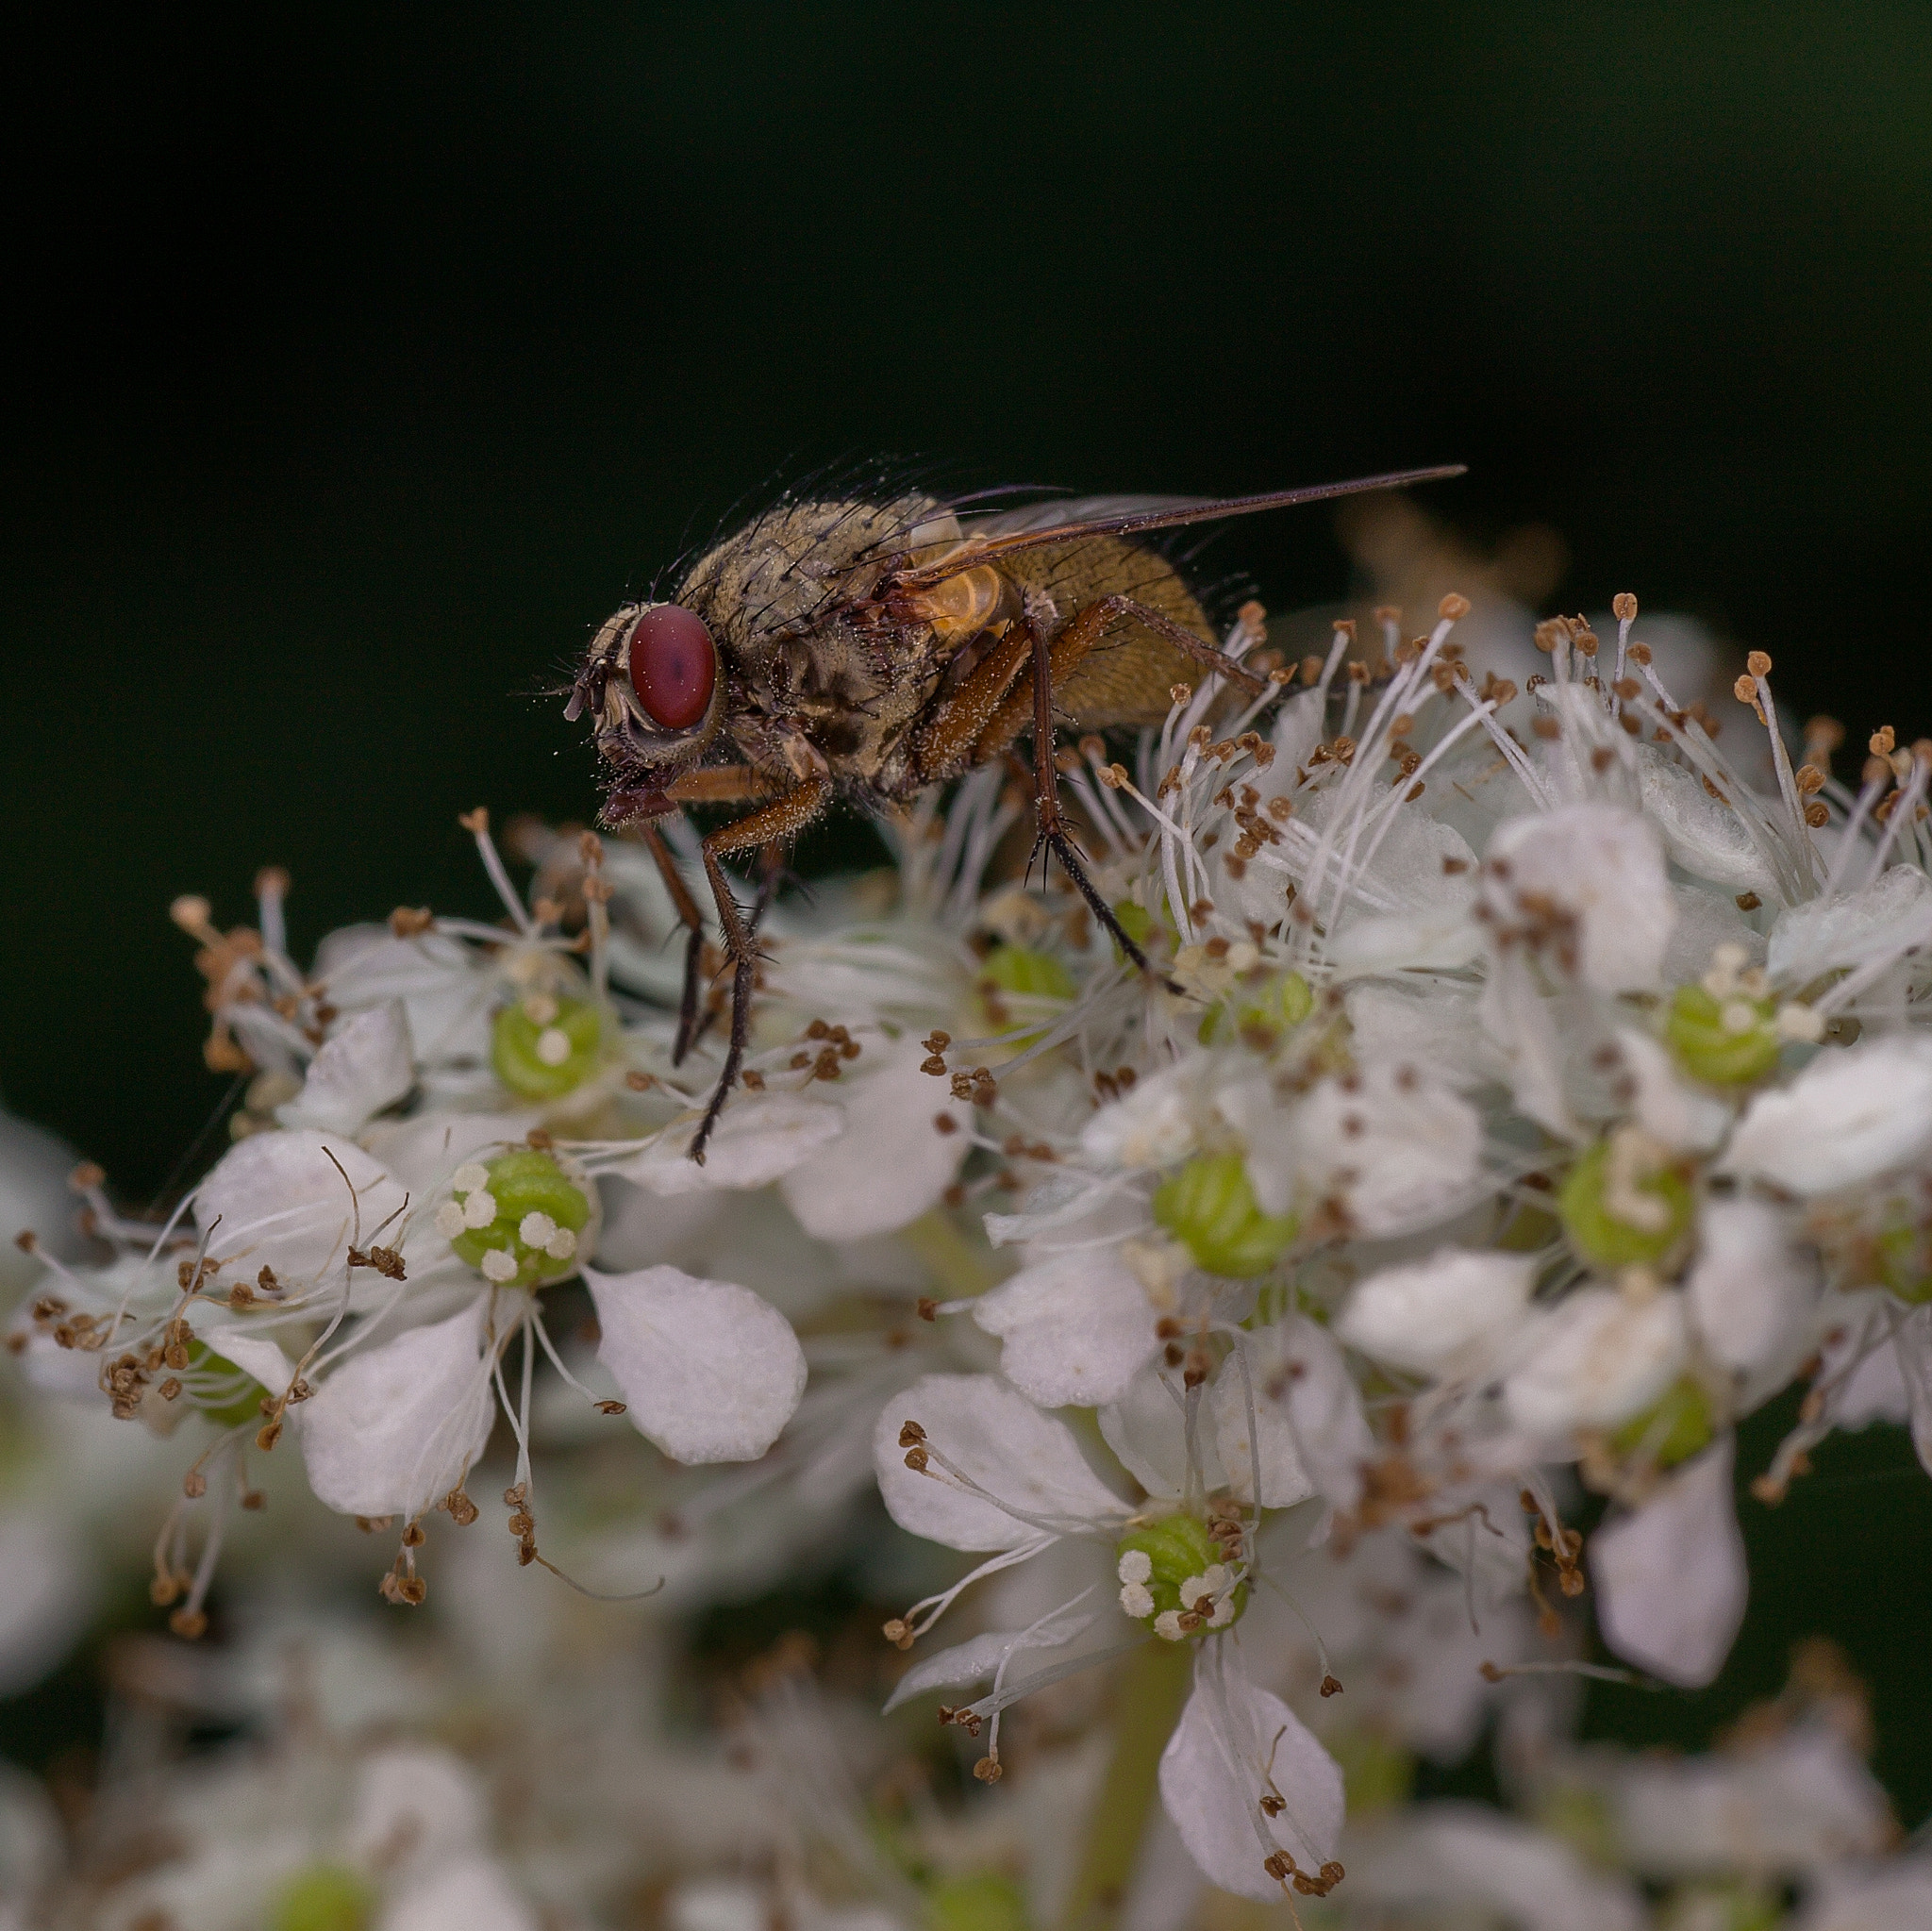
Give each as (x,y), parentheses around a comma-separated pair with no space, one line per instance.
(673,666)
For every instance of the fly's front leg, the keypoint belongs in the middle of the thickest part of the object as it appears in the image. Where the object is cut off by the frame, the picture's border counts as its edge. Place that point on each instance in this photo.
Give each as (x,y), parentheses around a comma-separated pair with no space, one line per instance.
(784,817)
(686,907)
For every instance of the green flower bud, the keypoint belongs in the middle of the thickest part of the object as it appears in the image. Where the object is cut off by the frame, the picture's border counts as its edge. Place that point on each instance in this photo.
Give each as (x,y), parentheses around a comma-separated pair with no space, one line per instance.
(1728,1042)
(1673,1429)
(516,1218)
(1155,1564)
(1376,1772)
(236,1397)
(323,1897)
(1209,1207)
(1615,1224)
(984,1902)
(544,1046)
(1031,975)
(1273,1008)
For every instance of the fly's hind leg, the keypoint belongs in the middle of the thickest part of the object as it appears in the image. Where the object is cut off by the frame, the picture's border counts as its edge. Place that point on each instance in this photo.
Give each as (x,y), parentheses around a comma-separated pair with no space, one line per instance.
(783,818)
(1052,665)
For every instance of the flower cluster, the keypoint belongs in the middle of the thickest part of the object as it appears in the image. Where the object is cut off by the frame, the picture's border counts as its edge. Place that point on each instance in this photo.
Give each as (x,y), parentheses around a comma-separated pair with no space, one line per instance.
(1523,1097)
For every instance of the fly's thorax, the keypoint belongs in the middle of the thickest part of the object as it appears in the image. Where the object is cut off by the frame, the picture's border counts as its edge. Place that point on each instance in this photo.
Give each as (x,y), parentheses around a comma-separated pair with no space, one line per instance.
(786,567)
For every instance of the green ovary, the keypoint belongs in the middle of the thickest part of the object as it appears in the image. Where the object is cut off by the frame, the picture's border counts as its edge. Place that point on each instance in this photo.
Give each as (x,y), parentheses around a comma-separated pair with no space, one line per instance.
(544,1046)
(1673,1429)
(984,1902)
(1031,975)
(1276,1007)
(1722,1041)
(1178,1550)
(1902,1264)
(540,1210)
(323,1897)
(1601,1234)
(1209,1207)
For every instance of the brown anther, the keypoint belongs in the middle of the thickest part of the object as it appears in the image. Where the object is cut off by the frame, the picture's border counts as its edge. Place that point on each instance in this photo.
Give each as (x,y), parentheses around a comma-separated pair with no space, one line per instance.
(911,1434)
(1312,669)
(1180,693)
(1585,640)
(915,1460)
(413,1537)
(410,922)
(1748,901)
(190,1623)
(1624,608)
(1882,741)
(1453,608)
(1817,816)
(988,1769)
(373,1524)
(194,1485)
(944,1123)
(898,1632)
(1330,1687)
(461,1510)
(1745,689)
(1547,727)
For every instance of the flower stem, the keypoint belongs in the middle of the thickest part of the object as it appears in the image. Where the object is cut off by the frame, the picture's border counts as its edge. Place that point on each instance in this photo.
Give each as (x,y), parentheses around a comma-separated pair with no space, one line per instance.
(1148,1695)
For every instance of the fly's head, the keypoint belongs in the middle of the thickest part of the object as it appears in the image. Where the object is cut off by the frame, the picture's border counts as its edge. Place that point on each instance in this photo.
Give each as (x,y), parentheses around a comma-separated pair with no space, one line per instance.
(652,685)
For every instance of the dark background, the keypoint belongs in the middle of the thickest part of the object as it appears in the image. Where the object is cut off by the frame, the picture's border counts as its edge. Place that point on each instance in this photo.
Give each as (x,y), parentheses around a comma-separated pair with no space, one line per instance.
(362,358)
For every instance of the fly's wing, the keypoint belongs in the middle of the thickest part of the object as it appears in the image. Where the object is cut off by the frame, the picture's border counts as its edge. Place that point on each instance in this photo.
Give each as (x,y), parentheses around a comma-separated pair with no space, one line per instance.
(906,571)
(1057,512)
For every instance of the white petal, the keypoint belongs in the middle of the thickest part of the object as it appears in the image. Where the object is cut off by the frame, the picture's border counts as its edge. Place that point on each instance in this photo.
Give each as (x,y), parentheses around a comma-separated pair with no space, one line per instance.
(1594,1361)
(1287,1388)
(1885,916)
(394,1427)
(417,1799)
(1077,1328)
(1601,865)
(255,1354)
(282,1203)
(1707,839)
(760,1138)
(712,1372)
(1422,1316)
(468,1893)
(1456,1858)
(1670,1581)
(1912,1346)
(1667,1107)
(1003,1443)
(1214,1771)
(890,1163)
(1303,1390)
(1400,1148)
(1848,1117)
(978,1657)
(364,1066)
(1753,1292)
(1147,1429)
(1150,1125)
